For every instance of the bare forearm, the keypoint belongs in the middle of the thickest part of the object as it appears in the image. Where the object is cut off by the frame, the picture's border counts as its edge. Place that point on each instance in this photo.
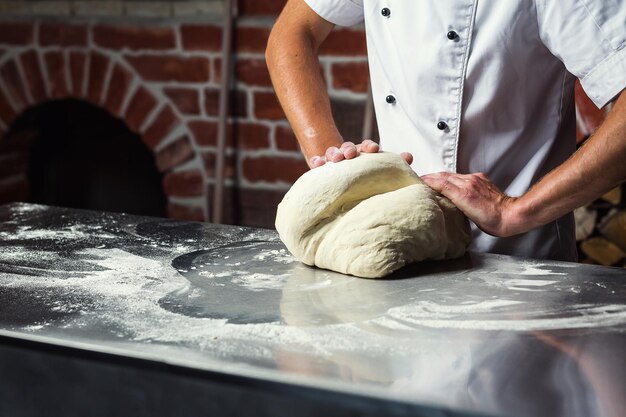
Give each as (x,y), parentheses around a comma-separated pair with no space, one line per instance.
(295,71)
(599,165)
(593,170)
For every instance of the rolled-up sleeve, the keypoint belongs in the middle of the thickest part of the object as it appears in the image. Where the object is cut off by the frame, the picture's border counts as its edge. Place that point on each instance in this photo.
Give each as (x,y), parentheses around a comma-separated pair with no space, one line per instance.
(339,12)
(589,37)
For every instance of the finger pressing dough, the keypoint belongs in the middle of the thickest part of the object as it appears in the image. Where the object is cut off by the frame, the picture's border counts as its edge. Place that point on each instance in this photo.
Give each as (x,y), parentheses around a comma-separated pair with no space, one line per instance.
(368,217)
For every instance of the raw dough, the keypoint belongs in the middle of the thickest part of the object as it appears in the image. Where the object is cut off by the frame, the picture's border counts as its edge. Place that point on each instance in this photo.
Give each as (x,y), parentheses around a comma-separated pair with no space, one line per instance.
(368,217)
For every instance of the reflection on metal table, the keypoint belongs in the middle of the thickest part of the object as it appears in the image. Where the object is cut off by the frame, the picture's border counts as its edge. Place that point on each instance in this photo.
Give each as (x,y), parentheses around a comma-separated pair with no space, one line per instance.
(105,313)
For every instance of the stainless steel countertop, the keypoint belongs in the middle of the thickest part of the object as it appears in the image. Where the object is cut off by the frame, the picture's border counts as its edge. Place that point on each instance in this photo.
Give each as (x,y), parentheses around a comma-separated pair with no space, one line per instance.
(484,333)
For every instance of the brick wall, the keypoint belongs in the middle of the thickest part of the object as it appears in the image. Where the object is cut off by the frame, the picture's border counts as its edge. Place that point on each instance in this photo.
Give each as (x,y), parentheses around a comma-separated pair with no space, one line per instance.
(162,78)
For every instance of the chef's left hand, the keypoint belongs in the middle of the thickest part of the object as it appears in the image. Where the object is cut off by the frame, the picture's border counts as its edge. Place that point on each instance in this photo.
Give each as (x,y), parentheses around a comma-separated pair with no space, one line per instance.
(481,201)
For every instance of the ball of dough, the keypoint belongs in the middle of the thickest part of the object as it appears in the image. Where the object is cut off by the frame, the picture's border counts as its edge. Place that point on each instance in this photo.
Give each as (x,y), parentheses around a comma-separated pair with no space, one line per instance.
(368,217)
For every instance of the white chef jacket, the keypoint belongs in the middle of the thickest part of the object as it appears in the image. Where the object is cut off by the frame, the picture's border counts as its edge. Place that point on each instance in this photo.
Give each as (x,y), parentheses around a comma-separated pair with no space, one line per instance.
(487,86)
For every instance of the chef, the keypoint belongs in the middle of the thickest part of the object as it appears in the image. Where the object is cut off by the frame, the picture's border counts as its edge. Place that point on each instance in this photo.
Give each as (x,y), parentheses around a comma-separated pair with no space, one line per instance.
(478,97)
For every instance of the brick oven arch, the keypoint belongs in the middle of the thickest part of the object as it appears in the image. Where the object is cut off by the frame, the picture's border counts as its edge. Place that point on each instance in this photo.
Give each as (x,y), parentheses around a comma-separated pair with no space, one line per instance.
(31,76)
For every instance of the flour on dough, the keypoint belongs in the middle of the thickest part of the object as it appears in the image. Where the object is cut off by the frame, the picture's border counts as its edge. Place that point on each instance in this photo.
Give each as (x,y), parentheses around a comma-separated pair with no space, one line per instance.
(368,217)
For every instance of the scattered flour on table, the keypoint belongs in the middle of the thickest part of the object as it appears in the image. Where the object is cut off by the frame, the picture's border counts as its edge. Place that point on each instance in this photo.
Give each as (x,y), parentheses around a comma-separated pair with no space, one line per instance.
(127,293)
(21,253)
(260,282)
(277,255)
(128,289)
(529,285)
(21,208)
(67,233)
(429,309)
(525,268)
(252,281)
(529,282)
(428,314)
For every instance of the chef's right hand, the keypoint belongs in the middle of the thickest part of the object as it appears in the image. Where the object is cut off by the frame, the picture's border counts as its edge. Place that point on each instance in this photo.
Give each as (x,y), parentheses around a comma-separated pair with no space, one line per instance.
(349,150)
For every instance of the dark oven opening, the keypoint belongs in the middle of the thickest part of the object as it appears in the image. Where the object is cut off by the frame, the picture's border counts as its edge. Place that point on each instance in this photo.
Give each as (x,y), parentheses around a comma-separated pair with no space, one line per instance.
(70,153)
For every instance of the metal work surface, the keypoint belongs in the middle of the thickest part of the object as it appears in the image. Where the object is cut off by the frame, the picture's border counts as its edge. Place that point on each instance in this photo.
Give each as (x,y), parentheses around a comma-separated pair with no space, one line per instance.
(484,333)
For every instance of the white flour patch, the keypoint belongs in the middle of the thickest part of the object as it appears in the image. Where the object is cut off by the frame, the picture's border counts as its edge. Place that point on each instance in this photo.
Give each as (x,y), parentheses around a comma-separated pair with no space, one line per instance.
(127,292)
(21,208)
(34,327)
(530,285)
(500,265)
(494,317)
(528,282)
(434,310)
(536,270)
(251,281)
(21,254)
(123,274)
(527,269)
(71,232)
(259,282)
(276,255)
(211,274)
(181,249)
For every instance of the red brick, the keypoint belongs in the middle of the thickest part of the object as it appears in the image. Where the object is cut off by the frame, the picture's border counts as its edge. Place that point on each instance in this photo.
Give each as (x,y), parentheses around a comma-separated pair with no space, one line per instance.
(98,66)
(264,7)
(186,100)
(353,76)
(251,39)
(252,72)
(62,34)
(344,42)
(230,165)
(238,104)
(266,106)
(243,135)
(183,184)
(13,83)
(16,33)
(34,79)
(273,169)
(250,136)
(55,67)
(201,38)
(164,123)
(285,139)
(211,101)
(117,89)
(140,106)
(174,154)
(180,212)
(77,72)
(589,115)
(171,68)
(203,132)
(7,113)
(134,37)
(216,72)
